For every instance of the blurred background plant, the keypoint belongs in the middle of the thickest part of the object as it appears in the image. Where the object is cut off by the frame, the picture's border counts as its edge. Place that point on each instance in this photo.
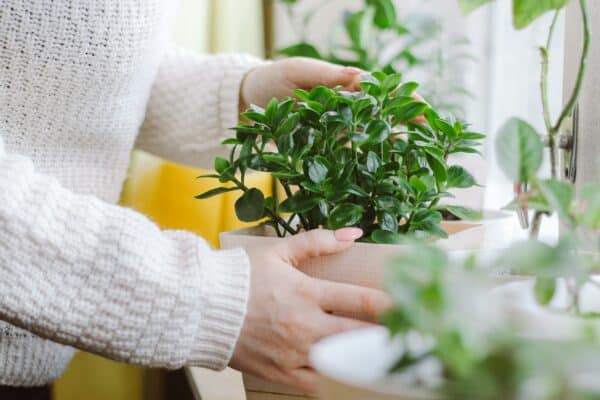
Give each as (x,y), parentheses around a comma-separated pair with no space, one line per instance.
(377,36)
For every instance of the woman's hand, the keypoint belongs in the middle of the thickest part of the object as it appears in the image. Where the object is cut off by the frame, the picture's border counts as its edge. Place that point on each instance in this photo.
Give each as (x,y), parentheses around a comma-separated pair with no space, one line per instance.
(280,78)
(289,311)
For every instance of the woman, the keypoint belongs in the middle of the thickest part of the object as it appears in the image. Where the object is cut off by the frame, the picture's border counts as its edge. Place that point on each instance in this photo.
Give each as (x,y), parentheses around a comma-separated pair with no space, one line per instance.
(80,82)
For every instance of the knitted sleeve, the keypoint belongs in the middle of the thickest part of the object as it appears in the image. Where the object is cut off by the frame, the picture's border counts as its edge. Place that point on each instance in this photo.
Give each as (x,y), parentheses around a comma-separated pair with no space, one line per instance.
(193,104)
(105,279)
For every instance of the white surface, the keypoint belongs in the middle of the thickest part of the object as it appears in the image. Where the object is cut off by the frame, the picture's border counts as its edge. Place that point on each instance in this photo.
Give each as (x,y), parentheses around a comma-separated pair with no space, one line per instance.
(363,358)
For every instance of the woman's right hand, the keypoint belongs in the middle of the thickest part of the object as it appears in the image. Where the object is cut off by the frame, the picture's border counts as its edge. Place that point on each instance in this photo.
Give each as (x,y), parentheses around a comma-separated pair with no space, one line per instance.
(289,311)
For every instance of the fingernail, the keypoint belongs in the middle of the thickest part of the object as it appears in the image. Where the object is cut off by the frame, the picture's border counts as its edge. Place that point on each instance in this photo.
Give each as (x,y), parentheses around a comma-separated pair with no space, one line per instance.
(348,234)
(351,71)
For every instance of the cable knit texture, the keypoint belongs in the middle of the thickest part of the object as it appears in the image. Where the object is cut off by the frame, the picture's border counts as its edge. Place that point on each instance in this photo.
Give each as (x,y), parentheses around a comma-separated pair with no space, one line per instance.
(77,78)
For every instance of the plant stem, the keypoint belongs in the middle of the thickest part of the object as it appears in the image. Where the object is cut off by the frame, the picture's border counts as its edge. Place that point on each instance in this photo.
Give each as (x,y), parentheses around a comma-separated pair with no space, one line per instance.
(535,225)
(555,130)
(545,53)
(582,67)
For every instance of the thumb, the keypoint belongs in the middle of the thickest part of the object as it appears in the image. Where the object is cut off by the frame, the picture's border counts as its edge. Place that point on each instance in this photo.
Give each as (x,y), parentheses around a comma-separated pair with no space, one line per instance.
(319,242)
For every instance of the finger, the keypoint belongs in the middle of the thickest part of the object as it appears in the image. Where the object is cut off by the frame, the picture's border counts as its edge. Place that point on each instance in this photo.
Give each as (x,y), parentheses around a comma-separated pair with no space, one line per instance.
(308,73)
(334,324)
(349,299)
(319,242)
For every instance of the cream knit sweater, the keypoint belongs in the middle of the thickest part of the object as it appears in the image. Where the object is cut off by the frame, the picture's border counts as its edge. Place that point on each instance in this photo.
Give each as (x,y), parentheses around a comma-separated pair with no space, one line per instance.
(79,79)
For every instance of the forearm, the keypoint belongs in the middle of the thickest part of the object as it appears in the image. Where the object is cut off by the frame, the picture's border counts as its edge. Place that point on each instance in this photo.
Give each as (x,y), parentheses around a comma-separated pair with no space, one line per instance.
(105,279)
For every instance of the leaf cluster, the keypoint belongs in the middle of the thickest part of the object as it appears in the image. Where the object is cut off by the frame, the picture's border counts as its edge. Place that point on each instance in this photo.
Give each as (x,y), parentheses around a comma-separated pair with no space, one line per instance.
(350,159)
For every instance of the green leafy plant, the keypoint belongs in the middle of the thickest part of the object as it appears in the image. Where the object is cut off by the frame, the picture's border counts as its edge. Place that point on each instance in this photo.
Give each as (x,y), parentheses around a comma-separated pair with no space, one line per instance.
(374,37)
(350,159)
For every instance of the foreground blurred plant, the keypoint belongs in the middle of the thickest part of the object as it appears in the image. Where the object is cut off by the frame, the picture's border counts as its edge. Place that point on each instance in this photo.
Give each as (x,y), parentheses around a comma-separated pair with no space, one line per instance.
(473,349)
(350,159)
(374,38)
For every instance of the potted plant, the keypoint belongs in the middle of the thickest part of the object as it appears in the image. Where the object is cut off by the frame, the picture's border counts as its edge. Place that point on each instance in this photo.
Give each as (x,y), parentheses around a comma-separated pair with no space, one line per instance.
(350,159)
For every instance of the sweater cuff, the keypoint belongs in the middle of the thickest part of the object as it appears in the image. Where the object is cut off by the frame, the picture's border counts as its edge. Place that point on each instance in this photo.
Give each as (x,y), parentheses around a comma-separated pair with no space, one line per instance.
(229,91)
(227,288)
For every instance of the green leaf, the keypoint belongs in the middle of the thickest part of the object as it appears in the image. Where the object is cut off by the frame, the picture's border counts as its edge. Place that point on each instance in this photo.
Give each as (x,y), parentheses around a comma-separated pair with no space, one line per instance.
(221,164)
(519,150)
(255,116)
(438,167)
(407,89)
(385,237)
(447,129)
(527,11)
(388,222)
(215,192)
(250,207)
(271,109)
(358,27)
(288,125)
(559,196)
(544,290)
(391,82)
(378,131)
(299,203)
(317,170)
(286,175)
(373,162)
(385,13)
(417,184)
(345,214)
(460,178)
(301,50)
(283,110)
(230,141)
(464,213)
(468,6)
(410,111)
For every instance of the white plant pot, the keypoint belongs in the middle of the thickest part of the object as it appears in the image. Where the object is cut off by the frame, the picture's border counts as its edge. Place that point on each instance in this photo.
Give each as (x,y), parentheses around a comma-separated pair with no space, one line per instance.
(362,265)
(354,366)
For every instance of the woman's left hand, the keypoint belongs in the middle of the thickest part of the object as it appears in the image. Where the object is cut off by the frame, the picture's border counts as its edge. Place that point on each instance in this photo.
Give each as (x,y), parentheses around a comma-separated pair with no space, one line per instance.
(280,78)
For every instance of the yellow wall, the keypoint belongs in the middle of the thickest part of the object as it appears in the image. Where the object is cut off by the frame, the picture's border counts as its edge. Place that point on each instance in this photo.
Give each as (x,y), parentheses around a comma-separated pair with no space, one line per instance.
(164,190)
